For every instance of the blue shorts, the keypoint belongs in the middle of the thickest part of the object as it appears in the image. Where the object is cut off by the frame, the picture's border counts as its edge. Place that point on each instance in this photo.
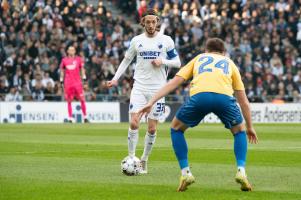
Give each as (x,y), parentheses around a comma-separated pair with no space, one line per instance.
(201,104)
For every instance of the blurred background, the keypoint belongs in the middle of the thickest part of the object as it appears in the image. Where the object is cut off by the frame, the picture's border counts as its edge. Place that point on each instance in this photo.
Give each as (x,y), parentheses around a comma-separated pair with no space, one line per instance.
(262,37)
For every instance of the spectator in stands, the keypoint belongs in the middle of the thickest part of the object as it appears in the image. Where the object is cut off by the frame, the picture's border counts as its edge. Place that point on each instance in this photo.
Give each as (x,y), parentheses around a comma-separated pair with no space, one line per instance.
(38,92)
(13,95)
(34,34)
(141,8)
(46,79)
(3,90)
(49,92)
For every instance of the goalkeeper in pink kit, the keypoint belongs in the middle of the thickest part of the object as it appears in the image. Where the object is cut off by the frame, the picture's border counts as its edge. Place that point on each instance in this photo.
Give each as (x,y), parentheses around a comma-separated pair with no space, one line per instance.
(72,68)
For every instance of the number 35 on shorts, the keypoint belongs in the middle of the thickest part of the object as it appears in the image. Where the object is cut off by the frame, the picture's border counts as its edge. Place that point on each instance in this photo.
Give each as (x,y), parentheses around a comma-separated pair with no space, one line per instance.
(160,108)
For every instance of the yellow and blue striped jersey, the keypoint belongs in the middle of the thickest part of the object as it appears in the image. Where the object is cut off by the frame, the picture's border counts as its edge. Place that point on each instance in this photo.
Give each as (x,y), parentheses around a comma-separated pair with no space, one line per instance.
(212,72)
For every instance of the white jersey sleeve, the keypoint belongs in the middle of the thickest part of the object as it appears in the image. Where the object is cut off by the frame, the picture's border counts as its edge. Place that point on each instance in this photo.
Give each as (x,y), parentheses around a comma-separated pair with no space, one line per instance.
(173,59)
(171,51)
(131,52)
(128,57)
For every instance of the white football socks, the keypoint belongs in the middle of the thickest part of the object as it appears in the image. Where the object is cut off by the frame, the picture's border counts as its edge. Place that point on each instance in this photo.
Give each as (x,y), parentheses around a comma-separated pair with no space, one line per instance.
(132,141)
(242,170)
(149,141)
(186,171)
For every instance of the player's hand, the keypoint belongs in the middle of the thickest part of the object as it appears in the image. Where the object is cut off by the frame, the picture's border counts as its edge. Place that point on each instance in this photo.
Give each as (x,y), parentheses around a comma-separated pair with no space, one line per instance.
(157,62)
(112,83)
(252,136)
(62,84)
(145,110)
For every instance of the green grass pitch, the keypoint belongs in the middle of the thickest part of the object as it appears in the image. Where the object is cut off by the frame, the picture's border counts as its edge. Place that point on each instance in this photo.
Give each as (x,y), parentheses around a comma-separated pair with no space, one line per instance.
(82,161)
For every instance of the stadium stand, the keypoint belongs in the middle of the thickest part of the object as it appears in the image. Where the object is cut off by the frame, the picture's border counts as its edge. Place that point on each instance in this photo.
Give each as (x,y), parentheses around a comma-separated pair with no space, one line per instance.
(263,37)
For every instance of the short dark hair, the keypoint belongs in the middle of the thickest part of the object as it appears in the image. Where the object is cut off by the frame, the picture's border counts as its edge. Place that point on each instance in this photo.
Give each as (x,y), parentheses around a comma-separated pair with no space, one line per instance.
(215,45)
(150,12)
(71,44)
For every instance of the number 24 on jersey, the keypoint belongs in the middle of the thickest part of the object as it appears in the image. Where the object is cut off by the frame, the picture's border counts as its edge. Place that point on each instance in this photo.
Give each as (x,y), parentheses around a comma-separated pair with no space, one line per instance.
(206,67)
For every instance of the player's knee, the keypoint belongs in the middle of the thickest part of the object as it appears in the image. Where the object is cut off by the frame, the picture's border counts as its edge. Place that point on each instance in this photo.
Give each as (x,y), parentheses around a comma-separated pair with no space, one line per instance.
(152,130)
(69,99)
(178,125)
(134,124)
(238,128)
(81,98)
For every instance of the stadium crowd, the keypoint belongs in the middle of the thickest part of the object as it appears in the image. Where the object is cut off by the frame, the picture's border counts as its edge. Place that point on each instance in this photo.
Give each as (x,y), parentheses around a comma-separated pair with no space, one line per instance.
(263,38)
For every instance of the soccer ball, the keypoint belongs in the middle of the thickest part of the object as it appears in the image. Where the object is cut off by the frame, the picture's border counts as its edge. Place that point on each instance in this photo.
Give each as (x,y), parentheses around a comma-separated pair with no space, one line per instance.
(131,166)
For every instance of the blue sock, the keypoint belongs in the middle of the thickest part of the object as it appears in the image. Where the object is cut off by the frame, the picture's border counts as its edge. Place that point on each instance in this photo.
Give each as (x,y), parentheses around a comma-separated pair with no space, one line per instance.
(180,147)
(240,148)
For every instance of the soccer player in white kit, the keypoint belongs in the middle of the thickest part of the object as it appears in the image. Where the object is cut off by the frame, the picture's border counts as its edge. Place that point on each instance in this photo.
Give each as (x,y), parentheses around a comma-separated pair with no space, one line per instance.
(154,52)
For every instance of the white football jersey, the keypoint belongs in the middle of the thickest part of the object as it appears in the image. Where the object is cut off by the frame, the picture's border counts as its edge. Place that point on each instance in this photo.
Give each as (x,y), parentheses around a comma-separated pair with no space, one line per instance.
(146,49)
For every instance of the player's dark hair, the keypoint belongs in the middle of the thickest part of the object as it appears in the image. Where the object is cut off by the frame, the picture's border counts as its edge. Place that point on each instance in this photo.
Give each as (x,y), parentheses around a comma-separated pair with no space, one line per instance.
(150,12)
(215,45)
(70,45)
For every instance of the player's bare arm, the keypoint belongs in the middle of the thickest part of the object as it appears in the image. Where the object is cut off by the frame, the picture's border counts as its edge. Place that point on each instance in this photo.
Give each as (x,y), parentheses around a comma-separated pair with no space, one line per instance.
(170,86)
(246,111)
(62,76)
(83,73)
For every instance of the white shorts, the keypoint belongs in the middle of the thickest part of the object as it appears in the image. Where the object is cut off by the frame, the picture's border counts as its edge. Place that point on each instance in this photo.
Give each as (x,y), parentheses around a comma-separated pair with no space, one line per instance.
(140,98)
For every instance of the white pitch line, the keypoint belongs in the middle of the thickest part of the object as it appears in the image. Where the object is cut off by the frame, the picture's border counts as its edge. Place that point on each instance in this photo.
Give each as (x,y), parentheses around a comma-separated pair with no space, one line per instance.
(115,150)
(34,152)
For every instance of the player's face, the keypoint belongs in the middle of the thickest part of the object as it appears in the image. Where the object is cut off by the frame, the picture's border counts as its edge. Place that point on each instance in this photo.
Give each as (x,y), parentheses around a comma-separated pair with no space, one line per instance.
(150,23)
(71,51)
